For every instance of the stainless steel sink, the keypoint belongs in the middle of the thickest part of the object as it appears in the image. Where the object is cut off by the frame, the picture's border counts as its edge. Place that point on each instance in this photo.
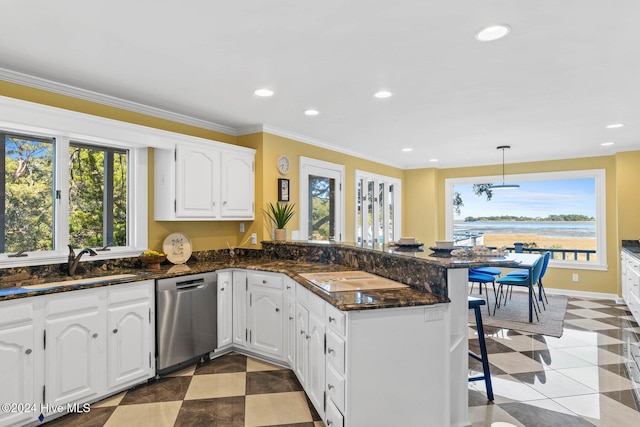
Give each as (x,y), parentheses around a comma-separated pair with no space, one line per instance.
(77,282)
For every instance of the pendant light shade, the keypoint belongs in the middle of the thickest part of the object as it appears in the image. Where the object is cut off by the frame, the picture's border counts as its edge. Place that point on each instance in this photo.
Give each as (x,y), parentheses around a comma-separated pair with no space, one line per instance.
(504,186)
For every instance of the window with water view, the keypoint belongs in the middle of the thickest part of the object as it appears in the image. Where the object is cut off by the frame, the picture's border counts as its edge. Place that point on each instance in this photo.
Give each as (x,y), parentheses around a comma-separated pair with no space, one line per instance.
(559,214)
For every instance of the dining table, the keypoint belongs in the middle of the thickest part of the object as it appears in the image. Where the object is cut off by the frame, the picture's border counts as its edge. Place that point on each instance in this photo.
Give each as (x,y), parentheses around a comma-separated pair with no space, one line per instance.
(526,261)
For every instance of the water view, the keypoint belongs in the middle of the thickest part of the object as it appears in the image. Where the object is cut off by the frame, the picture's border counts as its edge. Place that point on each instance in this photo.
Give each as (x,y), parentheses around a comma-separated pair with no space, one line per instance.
(559,229)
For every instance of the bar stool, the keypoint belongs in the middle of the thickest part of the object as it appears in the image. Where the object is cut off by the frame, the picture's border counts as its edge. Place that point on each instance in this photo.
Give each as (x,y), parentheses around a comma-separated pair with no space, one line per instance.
(475,303)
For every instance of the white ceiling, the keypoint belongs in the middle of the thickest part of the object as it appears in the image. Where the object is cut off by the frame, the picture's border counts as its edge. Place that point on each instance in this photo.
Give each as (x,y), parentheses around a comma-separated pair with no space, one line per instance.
(567,69)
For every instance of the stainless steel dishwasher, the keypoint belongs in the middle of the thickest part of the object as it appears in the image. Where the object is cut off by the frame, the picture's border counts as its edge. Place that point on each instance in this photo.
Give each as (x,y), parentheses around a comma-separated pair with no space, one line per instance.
(186,320)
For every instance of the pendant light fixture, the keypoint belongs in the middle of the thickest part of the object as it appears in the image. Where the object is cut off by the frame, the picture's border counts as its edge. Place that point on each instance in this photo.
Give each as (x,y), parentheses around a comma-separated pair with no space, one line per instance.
(503,186)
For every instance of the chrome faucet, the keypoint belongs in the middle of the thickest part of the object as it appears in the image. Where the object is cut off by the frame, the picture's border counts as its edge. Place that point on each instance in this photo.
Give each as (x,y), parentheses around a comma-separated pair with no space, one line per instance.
(73,260)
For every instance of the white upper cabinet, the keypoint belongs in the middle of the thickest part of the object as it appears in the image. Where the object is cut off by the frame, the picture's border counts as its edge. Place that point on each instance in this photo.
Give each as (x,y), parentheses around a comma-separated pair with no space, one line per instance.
(204,182)
(237,185)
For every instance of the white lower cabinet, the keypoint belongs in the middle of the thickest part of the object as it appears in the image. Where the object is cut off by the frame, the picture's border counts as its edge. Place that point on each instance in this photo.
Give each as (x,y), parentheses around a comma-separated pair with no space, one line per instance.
(21,359)
(265,314)
(359,368)
(130,336)
(630,274)
(74,347)
(225,308)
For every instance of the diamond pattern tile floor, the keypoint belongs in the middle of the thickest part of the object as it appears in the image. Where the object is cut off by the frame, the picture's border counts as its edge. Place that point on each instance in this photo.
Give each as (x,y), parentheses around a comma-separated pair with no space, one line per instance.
(579,379)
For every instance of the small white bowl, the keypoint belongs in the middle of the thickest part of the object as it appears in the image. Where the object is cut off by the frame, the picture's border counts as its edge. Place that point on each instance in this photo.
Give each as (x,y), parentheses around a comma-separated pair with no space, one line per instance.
(444,244)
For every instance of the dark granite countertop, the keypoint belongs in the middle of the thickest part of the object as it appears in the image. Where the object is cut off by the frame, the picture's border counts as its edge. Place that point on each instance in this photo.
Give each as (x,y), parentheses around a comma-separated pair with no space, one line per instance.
(632,247)
(352,300)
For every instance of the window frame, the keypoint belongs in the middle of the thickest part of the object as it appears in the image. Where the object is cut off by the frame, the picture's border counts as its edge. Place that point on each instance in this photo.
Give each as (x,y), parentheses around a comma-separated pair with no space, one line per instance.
(600,201)
(364,176)
(36,120)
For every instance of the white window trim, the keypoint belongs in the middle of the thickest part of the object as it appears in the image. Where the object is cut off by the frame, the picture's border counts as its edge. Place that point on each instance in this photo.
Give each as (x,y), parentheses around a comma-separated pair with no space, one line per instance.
(397,202)
(306,164)
(65,126)
(601,209)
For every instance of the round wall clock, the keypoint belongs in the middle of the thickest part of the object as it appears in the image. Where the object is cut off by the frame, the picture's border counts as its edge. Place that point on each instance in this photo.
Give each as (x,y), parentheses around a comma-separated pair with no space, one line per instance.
(283,165)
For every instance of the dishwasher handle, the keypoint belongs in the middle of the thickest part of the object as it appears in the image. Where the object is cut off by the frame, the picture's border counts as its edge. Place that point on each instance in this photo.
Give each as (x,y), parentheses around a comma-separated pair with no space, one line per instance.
(190,284)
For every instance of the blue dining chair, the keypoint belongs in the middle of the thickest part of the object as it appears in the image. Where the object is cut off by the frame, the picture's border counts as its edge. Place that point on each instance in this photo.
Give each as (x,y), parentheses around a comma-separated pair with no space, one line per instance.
(483,279)
(520,281)
(525,273)
(492,271)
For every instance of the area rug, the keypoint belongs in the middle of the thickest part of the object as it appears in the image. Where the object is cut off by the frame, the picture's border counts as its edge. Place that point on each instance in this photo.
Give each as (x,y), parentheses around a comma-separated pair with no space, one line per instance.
(515,314)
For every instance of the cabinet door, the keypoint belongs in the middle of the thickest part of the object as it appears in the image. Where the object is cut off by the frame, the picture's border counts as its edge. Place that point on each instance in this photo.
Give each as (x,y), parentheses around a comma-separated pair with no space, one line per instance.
(237,185)
(197,182)
(302,345)
(266,325)
(225,308)
(316,363)
(21,382)
(128,331)
(75,346)
(239,308)
(290,320)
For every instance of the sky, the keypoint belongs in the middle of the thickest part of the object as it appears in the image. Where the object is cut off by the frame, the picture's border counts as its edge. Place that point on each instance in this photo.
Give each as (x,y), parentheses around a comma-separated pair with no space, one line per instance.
(532,199)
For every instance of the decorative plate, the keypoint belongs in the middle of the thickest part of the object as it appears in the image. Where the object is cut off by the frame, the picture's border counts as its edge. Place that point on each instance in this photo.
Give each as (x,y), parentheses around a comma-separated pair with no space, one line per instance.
(442,250)
(177,247)
(409,245)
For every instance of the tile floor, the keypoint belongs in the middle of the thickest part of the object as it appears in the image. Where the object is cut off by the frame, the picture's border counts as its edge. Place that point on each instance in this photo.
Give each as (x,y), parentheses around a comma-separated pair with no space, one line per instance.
(576,380)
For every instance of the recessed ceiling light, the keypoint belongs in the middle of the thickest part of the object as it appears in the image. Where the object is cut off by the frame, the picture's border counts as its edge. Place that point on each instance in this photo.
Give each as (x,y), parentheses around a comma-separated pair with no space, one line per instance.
(605,144)
(312,112)
(615,125)
(493,32)
(382,94)
(433,160)
(407,149)
(263,92)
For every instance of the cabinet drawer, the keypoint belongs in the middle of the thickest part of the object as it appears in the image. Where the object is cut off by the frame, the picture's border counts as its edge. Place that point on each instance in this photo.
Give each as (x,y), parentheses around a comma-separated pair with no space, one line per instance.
(335,351)
(333,416)
(634,306)
(268,280)
(335,387)
(336,319)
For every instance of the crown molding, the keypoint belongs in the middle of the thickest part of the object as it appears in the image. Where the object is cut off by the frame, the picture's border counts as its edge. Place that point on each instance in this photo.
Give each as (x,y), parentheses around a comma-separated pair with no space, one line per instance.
(111,101)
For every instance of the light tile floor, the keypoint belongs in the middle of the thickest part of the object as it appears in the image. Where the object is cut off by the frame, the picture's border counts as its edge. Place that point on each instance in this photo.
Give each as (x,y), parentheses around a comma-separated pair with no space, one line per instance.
(579,379)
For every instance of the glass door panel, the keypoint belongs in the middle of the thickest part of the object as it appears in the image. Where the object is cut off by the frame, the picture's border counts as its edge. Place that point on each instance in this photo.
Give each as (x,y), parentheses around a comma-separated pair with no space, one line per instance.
(321,208)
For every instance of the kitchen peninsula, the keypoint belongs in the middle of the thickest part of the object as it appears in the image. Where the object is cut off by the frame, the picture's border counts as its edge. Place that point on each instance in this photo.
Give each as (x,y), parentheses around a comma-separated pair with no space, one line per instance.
(393,356)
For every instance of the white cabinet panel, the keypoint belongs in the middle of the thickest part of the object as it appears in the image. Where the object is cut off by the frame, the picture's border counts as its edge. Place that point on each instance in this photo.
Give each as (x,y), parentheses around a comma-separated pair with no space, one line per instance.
(20,354)
(237,185)
(75,345)
(302,345)
(129,335)
(197,182)
(239,308)
(225,308)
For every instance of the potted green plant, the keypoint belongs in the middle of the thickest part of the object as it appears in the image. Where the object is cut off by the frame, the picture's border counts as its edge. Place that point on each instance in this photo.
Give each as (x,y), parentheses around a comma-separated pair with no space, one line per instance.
(280,214)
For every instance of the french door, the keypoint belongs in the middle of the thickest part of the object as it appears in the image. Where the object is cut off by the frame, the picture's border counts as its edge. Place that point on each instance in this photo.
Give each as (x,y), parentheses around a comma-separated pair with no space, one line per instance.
(321,200)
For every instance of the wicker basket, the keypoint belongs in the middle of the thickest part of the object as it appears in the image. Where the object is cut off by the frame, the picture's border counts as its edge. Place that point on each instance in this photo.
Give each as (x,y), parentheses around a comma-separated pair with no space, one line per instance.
(152,261)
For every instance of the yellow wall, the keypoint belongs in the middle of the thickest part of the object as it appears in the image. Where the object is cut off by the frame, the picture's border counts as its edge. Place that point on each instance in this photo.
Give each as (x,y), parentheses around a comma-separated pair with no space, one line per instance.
(275,146)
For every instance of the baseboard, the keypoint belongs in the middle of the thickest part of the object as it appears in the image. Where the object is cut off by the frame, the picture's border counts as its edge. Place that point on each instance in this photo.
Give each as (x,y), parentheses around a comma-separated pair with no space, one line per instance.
(584,294)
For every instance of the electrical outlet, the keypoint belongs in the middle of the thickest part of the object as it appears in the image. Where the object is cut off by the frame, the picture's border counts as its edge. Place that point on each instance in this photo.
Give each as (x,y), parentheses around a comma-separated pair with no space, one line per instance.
(242,227)
(575,277)
(254,239)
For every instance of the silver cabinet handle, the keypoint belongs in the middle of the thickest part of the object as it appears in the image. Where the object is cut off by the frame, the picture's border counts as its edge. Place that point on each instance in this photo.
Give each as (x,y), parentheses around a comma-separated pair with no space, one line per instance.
(329,350)
(301,332)
(288,287)
(308,336)
(28,351)
(290,318)
(330,387)
(329,422)
(224,203)
(115,331)
(264,282)
(332,319)
(95,335)
(277,310)
(221,289)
